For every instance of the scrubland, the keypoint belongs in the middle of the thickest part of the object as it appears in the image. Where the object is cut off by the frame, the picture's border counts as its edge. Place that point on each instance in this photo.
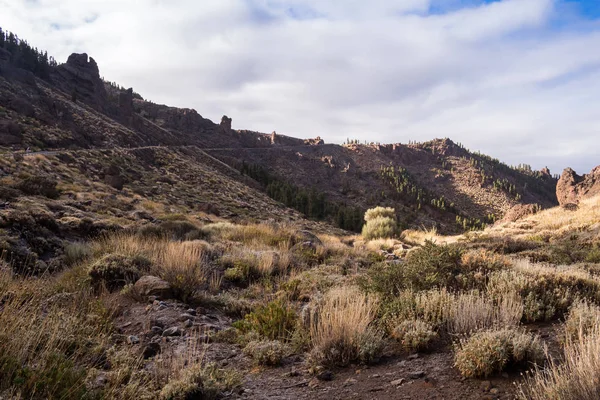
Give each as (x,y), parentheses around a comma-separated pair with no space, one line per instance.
(520,297)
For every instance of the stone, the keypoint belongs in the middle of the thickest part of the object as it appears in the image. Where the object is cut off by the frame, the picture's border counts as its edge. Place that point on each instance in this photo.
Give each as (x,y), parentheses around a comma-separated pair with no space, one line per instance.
(151,350)
(173,331)
(494,391)
(157,330)
(413,356)
(486,386)
(350,381)
(325,376)
(416,374)
(308,236)
(153,286)
(185,317)
(132,339)
(397,382)
(188,323)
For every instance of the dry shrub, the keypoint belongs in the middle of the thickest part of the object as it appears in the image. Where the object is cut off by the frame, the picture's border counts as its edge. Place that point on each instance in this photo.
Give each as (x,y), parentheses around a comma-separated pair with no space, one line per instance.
(275,321)
(266,352)
(583,318)
(472,312)
(340,328)
(455,313)
(245,264)
(414,334)
(490,352)
(576,378)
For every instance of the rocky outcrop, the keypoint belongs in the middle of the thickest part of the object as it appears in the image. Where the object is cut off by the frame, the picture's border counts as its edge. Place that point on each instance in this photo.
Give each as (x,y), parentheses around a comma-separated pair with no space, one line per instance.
(80,78)
(226,123)
(126,103)
(149,285)
(520,211)
(572,188)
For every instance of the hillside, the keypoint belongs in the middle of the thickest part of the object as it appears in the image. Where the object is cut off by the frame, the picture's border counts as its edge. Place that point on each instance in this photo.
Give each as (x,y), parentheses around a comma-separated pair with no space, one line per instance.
(149,253)
(438,183)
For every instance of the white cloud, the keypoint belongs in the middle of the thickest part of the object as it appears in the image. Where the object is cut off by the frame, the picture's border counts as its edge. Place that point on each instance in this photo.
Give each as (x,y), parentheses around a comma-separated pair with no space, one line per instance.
(498,77)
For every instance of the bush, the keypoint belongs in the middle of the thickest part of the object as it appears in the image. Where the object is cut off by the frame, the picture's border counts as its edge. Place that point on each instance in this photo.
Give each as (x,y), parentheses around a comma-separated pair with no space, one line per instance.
(340,328)
(189,386)
(425,268)
(39,186)
(490,352)
(175,230)
(414,334)
(583,318)
(266,352)
(576,378)
(275,321)
(76,252)
(380,223)
(380,212)
(114,271)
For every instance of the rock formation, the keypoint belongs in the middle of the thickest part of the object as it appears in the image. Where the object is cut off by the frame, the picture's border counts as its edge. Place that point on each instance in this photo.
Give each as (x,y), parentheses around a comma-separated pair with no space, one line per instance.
(226,123)
(572,188)
(80,77)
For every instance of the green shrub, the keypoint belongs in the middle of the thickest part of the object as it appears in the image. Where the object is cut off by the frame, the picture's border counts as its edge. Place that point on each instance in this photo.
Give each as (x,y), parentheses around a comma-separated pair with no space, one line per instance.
(275,321)
(594,255)
(380,223)
(414,334)
(114,271)
(425,268)
(39,186)
(490,352)
(266,352)
(380,212)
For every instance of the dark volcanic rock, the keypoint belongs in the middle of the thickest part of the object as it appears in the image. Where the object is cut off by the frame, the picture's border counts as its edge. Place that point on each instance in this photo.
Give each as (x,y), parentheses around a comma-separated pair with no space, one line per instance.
(80,78)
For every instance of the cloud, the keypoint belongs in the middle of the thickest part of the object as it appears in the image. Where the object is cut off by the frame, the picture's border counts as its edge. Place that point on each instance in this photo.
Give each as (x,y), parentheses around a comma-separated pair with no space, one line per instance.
(513,78)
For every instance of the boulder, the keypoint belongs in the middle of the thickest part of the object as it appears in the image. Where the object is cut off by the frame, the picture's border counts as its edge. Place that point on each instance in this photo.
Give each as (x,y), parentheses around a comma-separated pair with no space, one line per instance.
(520,211)
(572,188)
(152,286)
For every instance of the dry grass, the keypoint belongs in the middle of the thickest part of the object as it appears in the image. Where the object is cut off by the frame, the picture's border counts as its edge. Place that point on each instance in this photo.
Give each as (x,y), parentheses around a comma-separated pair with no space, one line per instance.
(340,327)
(472,312)
(576,378)
(182,264)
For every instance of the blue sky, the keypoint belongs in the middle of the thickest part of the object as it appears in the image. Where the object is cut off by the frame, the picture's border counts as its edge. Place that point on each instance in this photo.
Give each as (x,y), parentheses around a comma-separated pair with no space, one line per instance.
(517,79)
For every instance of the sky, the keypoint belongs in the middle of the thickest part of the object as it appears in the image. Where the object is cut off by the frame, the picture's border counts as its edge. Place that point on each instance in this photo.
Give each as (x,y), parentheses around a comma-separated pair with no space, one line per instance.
(516,79)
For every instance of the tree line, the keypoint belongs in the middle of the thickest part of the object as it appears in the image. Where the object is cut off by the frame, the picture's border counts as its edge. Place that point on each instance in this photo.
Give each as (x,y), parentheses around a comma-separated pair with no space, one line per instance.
(24,56)
(310,202)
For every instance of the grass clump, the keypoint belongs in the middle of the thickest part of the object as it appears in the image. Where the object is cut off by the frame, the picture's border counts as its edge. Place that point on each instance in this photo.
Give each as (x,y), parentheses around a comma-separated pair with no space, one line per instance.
(576,378)
(274,321)
(266,352)
(114,271)
(341,328)
(415,335)
(76,252)
(489,352)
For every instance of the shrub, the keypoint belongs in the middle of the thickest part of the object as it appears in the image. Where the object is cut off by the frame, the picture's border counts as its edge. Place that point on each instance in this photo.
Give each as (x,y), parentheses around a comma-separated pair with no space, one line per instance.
(39,186)
(340,328)
(380,212)
(380,223)
(114,271)
(266,352)
(583,318)
(576,378)
(425,268)
(175,230)
(76,252)
(189,386)
(275,321)
(414,334)
(490,352)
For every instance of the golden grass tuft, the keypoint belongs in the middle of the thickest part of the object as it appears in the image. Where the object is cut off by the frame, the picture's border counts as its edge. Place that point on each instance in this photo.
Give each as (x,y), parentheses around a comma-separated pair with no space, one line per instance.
(340,327)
